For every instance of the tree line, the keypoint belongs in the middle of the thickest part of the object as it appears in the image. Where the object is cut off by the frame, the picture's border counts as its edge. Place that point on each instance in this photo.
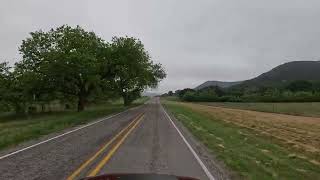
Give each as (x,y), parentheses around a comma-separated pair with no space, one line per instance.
(295,91)
(74,66)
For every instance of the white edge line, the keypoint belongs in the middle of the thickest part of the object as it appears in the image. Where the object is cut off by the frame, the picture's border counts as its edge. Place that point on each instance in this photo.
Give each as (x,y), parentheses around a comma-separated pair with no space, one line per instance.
(58,136)
(204,168)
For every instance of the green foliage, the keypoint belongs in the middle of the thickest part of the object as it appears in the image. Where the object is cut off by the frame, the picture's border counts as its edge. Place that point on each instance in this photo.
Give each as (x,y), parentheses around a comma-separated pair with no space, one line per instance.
(4,85)
(295,91)
(300,86)
(66,58)
(132,69)
(209,94)
(4,79)
(74,66)
(15,88)
(181,93)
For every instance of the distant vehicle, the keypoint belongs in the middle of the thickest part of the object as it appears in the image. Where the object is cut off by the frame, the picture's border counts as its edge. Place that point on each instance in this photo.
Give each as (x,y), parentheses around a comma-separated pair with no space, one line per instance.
(138,177)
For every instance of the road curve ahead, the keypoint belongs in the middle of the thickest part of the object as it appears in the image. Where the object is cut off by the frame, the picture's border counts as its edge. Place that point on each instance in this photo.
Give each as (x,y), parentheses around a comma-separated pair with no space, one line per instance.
(141,140)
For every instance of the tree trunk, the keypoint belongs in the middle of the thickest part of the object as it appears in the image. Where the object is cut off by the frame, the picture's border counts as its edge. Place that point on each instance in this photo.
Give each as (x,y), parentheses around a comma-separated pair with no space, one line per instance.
(19,109)
(81,103)
(126,100)
(42,107)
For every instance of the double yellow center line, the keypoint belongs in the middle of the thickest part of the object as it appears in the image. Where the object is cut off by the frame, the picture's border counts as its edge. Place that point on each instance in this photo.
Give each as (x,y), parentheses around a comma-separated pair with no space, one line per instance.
(129,128)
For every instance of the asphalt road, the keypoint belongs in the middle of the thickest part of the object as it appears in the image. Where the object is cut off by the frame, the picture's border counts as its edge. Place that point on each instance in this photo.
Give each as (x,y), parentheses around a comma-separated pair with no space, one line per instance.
(141,140)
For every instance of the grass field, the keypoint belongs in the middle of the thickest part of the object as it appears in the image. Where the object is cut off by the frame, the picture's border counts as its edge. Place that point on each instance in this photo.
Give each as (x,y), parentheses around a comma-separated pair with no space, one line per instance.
(250,149)
(300,109)
(14,130)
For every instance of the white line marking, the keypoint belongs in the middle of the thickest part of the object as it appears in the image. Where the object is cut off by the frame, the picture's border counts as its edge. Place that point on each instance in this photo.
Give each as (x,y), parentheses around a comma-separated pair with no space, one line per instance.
(58,136)
(204,168)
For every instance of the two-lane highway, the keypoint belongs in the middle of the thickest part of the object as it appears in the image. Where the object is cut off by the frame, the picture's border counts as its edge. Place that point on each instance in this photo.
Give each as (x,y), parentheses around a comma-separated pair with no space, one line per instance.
(141,140)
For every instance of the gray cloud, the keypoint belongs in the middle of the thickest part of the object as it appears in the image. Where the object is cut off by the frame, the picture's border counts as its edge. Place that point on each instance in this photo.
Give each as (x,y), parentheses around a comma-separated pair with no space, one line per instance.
(195,40)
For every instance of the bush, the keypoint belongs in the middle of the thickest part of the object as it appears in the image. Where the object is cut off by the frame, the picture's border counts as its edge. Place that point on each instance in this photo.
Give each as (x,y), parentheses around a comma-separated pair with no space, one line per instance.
(267,95)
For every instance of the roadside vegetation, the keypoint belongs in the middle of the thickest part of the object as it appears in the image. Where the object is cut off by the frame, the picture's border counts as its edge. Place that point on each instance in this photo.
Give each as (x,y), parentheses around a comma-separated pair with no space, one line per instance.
(71,67)
(62,72)
(311,109)
(15,129)
(251,145)
(291,91)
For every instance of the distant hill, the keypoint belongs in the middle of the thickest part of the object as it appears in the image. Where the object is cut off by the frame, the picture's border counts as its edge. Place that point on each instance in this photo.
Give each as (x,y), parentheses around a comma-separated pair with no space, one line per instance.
(282,74)
(291,71)
(287,72)
(217,83)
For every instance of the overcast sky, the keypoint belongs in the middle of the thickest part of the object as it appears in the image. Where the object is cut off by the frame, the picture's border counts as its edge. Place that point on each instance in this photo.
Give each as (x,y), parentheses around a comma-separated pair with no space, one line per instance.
(195,40)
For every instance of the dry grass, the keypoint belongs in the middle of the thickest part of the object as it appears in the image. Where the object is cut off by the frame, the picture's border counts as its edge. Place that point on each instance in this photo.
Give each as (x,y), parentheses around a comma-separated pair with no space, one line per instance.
(311,109)
(297,132)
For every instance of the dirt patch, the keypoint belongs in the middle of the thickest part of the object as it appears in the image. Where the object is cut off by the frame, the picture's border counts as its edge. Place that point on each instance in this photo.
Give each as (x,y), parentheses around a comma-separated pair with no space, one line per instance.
(298,132)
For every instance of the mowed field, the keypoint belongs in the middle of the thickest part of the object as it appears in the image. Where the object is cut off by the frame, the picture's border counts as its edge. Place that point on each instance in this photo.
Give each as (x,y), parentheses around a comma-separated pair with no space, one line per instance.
(256,145)
(311,109)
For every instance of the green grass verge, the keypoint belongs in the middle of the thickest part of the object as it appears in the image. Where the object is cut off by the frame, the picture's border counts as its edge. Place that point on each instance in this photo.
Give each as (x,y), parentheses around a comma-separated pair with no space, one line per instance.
(17,129)
(300,109)
(246,153)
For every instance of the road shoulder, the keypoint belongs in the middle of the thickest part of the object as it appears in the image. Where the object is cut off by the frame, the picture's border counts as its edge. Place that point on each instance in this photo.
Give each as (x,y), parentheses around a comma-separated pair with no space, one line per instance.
(216,167)
(56,135)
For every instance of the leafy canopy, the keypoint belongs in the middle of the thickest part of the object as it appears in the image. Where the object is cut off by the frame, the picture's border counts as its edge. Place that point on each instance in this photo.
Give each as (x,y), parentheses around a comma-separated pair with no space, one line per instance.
(133,70)
(66,58)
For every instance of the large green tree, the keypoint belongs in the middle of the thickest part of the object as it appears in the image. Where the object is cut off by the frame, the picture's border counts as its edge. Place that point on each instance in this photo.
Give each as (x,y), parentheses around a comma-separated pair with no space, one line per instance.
(4,82)
(131,67)
(4,74)
(66,59)
(15,88)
